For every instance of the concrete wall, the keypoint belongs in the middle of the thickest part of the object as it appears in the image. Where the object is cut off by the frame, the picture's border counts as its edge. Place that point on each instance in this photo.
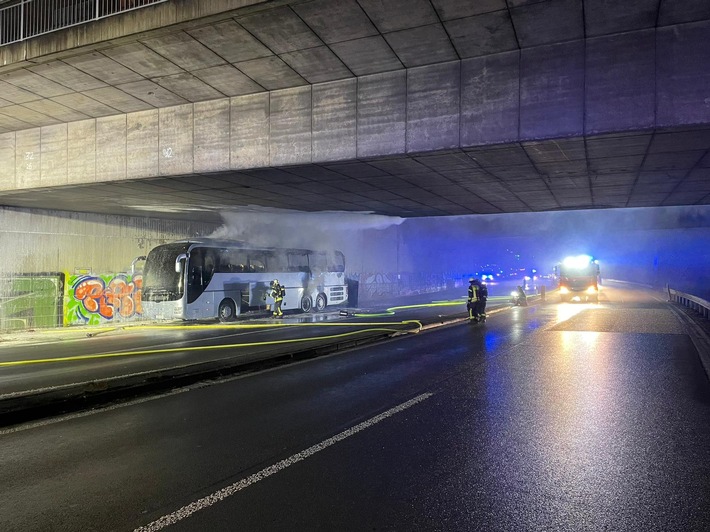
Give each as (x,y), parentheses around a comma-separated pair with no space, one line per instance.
(633,81)
(41,241)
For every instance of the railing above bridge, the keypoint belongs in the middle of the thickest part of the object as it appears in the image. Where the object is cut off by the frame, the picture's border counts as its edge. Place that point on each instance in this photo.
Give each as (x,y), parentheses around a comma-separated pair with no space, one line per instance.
(24,19)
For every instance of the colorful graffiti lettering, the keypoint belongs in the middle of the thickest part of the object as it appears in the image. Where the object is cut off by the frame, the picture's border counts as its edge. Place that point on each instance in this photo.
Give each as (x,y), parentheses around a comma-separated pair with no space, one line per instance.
(96,299)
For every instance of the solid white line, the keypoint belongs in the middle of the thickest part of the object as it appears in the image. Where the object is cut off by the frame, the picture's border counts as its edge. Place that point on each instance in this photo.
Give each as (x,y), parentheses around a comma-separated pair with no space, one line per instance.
(217,496)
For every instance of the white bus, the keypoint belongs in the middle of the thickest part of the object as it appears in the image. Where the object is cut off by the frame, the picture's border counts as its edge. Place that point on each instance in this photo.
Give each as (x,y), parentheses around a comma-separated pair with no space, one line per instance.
(203,278)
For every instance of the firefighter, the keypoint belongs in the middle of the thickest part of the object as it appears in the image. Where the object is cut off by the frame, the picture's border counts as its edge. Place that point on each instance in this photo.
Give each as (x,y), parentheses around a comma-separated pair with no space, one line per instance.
(473,294)
(520,298)
(480,310)
(277,293)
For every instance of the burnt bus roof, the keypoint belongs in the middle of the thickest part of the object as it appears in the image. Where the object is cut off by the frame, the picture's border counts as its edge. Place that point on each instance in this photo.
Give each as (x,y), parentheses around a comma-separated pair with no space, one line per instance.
(224,243)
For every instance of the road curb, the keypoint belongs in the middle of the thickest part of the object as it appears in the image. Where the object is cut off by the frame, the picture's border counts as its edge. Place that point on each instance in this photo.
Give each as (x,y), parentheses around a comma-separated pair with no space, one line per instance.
(23,407)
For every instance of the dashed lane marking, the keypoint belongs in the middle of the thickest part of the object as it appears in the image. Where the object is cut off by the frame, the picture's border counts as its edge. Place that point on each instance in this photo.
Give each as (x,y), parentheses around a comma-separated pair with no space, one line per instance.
(220,495)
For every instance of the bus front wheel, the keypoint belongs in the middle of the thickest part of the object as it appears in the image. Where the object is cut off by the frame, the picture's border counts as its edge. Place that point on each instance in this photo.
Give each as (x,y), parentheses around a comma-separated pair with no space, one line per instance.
(321,302)
(227,311)
(306,304)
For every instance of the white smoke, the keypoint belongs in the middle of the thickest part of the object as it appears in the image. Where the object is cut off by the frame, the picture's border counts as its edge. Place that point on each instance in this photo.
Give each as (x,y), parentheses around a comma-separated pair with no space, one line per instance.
(321,231)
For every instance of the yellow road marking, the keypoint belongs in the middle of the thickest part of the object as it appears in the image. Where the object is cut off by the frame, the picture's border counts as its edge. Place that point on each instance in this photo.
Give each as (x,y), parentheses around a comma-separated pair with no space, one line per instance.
(374,327)
(209,347)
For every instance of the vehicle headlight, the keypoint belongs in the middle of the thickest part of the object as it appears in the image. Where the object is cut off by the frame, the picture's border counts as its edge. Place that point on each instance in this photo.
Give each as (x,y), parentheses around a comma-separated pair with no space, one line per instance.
(591,290)
(514,293)
(564,290)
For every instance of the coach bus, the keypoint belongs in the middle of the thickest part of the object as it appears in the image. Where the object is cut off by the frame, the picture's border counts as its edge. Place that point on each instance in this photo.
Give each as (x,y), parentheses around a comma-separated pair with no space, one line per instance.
(203,278)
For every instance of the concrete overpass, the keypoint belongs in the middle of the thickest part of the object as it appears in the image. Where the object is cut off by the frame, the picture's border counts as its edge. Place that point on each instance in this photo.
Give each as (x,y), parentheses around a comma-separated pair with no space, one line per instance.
(406,107)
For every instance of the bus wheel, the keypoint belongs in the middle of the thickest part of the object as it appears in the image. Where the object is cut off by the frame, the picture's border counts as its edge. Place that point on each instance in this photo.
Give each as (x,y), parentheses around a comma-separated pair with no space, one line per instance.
(321,302)
(227,311)
(306,304)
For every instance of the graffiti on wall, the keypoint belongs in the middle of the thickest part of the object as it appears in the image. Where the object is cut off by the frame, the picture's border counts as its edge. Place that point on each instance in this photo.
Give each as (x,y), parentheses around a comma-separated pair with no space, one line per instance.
(96,299)
(373,286)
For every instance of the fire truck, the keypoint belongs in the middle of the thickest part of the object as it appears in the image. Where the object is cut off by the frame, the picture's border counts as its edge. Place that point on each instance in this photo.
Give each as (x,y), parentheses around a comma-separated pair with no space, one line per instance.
(578,279)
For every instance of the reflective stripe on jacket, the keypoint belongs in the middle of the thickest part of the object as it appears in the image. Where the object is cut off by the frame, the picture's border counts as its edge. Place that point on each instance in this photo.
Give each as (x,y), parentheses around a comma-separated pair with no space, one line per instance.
(473,292)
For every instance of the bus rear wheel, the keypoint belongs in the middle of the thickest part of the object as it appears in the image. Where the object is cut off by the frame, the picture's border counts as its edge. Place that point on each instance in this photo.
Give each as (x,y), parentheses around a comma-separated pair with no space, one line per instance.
(306,304)
(227,311)
(321,302)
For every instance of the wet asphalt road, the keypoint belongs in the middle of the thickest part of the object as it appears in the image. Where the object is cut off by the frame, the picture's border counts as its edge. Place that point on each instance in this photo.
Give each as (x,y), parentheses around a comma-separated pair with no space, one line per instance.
(552,417)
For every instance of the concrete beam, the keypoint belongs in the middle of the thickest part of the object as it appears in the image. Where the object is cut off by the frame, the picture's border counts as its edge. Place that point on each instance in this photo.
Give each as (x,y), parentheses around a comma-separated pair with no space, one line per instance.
(335,121)
(490,99)
(433,107)
(552,91)
(142,142)
(636,81)
(381,114)
(620,94)
(249,131)
(683,77)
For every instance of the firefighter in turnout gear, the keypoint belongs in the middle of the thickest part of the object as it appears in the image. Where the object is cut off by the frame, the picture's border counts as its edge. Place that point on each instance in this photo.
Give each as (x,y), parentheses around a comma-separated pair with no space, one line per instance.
(480,310)
(472,298)
(277,293)
(477,296)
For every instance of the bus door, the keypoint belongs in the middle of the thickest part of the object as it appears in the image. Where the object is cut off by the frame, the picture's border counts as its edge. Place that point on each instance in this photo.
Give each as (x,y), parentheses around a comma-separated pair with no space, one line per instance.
(259,281)
(232,267)
(200,270)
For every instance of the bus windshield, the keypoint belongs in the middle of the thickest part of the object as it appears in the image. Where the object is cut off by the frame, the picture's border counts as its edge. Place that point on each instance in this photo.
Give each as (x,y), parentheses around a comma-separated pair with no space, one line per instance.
(159,275)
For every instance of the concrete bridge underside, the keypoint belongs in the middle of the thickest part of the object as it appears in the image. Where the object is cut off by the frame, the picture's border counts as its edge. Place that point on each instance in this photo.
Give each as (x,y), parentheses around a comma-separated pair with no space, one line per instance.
(408,108)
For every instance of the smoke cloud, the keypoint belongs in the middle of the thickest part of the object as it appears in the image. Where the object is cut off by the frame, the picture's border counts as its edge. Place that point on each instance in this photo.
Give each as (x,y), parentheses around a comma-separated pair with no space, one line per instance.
(355,234)
(657,244)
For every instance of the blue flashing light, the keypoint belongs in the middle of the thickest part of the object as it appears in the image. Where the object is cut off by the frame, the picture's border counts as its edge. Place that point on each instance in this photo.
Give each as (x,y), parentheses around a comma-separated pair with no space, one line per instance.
(577,261)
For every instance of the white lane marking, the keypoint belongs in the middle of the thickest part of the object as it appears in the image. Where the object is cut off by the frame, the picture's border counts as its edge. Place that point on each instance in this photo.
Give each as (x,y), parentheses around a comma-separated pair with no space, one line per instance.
(217,496)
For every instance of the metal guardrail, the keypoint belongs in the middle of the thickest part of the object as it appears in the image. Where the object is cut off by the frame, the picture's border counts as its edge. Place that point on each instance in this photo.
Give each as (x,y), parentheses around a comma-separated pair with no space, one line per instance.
(698,304)
(25,19)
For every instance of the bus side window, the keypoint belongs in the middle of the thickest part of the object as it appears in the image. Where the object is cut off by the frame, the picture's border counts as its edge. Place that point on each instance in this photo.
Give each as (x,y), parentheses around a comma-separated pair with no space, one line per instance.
(231,261)
(297,261)
(238,261)
(257,262)
(317,262)
(209,268)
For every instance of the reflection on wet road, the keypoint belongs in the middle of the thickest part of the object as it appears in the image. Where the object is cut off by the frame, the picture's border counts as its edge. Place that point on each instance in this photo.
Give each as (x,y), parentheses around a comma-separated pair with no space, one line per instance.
(549,417)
